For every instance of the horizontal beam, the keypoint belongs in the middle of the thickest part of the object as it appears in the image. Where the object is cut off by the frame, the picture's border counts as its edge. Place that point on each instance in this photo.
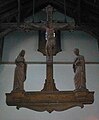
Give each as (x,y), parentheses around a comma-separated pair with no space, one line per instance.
(5,32)
(49,101)
(41,62)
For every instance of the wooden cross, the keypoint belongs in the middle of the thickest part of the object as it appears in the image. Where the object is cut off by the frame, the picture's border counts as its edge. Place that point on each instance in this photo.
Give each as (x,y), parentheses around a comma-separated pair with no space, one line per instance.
(50,98)
(50,27)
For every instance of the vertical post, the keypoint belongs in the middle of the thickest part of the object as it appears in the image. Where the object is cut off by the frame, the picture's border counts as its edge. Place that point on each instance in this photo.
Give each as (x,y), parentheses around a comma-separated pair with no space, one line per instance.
(79,11)
(77,14)
(49,82)
(49,11)
(98,43)
(1,48)
(65,10)
(33,9)
(19,11)
(49,74)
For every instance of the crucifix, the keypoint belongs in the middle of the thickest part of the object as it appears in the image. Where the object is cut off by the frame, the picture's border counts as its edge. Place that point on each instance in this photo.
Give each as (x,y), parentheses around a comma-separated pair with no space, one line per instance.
(50,48)
(49,98)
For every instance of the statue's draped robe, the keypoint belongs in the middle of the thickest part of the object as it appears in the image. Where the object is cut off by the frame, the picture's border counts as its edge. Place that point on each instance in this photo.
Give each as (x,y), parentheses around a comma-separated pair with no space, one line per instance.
(20,73)
(79,69)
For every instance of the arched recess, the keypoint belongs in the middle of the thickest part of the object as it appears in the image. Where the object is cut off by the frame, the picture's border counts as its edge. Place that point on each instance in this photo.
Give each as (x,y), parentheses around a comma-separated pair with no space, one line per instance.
(88,29)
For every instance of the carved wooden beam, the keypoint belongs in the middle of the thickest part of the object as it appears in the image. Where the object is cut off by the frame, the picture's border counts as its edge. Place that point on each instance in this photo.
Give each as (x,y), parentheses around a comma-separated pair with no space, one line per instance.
(8,25)
(49,101)
(7,28)
(5,32)
(41,62)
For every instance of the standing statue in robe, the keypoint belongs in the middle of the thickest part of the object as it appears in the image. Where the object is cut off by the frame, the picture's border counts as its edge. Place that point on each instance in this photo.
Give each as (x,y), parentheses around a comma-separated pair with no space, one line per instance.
(20,72)
(79,70)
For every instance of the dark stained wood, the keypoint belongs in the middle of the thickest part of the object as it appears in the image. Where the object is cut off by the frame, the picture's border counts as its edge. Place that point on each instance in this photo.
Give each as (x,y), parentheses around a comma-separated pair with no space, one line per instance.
(19,11)
(5,32)
(49,101)
(78,13)
(1,47)
(41,62)
(42,42)
(87,11)
(49,82)
(98,43)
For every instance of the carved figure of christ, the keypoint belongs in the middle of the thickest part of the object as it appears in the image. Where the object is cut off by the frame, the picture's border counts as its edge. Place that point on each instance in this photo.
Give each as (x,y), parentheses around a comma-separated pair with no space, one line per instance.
(50,29)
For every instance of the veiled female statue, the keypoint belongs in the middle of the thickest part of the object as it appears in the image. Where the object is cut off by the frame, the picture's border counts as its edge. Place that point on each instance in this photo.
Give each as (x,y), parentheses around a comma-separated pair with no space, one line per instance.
(20,72)
(79,70)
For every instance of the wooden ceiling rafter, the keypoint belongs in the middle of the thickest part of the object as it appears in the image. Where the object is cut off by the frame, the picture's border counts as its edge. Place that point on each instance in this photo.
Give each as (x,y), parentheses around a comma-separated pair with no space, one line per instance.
(4,3)
(81,13)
